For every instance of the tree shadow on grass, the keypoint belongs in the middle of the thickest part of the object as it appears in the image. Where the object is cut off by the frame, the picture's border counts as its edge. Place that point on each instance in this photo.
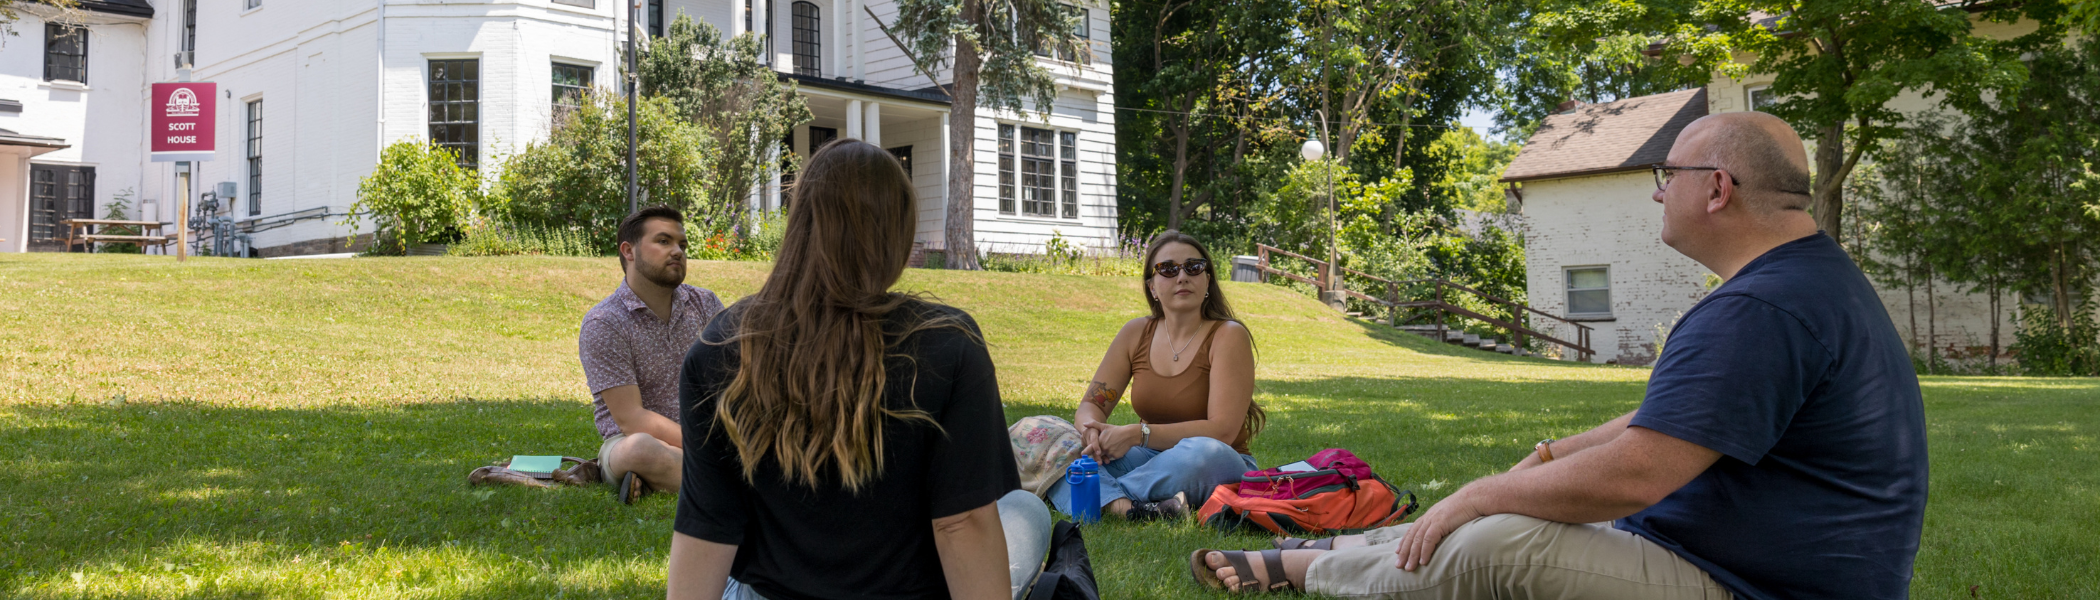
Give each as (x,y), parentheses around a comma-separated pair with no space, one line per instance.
(301,502)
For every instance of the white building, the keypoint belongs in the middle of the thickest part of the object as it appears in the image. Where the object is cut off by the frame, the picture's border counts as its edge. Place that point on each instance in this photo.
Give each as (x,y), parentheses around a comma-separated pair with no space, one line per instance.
(1594,246)
(311,90)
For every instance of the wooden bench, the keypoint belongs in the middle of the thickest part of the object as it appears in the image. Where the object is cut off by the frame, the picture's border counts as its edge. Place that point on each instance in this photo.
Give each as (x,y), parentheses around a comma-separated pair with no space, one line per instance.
(83,231)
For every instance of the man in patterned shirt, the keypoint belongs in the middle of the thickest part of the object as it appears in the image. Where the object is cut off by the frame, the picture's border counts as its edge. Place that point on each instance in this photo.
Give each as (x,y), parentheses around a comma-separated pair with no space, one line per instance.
(631,345)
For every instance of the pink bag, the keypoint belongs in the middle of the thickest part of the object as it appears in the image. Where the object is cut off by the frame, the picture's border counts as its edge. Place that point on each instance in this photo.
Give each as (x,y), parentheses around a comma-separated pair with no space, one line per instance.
(1333,468)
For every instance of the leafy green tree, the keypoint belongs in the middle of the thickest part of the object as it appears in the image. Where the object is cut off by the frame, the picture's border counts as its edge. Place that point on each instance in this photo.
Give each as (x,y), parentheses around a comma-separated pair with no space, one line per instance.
(1602,51)
(741,105)
(11,11)
(991,47)
(417,194)
(577,177)
(1472,169)
(1837,64)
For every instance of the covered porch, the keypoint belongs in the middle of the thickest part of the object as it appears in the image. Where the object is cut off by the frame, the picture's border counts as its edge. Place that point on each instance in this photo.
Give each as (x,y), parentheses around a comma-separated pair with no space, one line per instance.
(912,125)
(34,198)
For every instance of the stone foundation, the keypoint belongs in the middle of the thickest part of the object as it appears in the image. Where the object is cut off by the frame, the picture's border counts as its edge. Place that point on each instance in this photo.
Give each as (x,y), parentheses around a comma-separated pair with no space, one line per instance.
(328,245)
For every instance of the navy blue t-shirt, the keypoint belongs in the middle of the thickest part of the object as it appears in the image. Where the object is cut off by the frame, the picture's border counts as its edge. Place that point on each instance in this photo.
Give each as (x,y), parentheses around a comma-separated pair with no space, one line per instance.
(1793,372)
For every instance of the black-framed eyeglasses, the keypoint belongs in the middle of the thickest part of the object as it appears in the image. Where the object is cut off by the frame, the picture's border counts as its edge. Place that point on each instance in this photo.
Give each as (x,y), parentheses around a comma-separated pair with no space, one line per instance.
(1664,173)
(1194,266)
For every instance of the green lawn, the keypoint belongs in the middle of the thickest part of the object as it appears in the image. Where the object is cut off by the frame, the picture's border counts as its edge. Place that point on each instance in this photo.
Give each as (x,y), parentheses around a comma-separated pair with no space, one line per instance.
(301,429)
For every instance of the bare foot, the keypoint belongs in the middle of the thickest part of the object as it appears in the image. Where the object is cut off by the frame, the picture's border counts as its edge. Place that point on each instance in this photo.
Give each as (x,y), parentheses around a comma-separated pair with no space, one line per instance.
(1294,564)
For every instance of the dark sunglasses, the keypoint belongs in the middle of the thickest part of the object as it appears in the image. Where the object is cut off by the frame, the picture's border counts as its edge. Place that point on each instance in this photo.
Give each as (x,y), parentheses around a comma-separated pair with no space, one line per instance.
(1195,266)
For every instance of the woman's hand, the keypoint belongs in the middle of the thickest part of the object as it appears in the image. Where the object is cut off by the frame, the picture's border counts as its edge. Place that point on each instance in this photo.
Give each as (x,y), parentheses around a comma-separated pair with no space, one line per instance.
(1111,442)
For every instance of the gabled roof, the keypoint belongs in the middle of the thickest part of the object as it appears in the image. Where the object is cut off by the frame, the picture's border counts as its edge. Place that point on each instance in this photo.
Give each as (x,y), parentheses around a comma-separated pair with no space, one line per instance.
(1617,136)
(134,8)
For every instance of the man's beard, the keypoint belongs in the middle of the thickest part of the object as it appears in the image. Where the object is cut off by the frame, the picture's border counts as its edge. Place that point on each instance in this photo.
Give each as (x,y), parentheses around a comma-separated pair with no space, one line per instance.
(662,275)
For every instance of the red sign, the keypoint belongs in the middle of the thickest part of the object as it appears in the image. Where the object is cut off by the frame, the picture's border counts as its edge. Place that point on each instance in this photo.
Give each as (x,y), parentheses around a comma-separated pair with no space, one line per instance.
(183,121)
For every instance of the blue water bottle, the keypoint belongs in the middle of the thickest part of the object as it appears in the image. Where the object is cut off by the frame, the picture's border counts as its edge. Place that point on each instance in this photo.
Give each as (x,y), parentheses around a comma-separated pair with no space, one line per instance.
(1084,477)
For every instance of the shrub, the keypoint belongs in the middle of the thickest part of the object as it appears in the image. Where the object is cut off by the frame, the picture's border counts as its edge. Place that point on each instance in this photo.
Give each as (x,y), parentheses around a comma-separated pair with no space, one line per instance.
(577,177)
(2046,347)
(118,209)
(417,194)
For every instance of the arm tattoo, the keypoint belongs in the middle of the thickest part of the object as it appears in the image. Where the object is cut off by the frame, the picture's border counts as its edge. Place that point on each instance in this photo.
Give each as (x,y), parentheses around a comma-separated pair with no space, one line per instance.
(1100,395)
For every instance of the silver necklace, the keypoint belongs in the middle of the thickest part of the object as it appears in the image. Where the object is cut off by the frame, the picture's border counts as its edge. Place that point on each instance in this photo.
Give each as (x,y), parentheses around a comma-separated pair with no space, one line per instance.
(1184,346)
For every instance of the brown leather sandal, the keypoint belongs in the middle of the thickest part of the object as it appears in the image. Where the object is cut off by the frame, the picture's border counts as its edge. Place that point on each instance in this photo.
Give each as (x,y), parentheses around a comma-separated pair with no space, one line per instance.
(1271,558)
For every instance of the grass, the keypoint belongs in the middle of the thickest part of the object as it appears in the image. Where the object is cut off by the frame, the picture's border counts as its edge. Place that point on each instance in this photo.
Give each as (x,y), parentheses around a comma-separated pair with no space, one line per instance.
(299,429)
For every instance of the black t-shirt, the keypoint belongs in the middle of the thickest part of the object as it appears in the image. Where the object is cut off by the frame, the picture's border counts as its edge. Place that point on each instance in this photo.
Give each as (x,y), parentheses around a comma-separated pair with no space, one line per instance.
(1793,372)
(794,542)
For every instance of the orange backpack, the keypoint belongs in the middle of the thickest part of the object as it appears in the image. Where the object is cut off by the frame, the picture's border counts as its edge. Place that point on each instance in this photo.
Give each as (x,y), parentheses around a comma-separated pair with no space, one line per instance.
(1347,499)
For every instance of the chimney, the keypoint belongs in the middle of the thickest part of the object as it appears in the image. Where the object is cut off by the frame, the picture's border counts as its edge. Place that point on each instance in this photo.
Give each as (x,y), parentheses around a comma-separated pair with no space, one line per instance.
(1567,107)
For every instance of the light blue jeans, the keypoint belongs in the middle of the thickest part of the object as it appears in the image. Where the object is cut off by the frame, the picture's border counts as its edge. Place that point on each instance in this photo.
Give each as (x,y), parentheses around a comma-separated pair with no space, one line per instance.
(1027,524)
(1196,466)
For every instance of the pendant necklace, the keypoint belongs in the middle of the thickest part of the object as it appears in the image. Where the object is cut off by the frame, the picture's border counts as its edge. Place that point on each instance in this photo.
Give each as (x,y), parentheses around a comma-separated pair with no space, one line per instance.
(1184,346)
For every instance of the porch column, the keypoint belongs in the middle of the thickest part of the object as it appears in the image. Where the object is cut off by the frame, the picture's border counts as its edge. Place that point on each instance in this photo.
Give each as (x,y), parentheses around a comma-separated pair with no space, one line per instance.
(871,122)
(853,120)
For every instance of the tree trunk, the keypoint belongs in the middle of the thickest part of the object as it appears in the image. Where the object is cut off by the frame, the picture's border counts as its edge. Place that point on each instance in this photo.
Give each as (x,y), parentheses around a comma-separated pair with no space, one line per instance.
(1932,325)
(960,248)
(1181,171)
(2060,284)
(1994,327)
(1911,289)
(1829,203)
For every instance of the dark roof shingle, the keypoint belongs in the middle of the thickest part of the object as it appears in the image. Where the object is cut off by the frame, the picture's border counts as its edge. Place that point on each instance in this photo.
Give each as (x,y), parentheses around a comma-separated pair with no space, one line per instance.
(1603,138)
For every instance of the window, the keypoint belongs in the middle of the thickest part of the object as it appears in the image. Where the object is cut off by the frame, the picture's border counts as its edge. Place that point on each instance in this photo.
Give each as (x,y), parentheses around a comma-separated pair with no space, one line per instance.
(1068,184)
(571,82)
(189,28)
(903,154)
(1006,169)
(1038,172)
(1081,29)
(455,107)
(1043,174)
(747,15)
(1589,291)
(254,4)
(65,52)
(656,18)
(57,193)
(809,51)
(819,136)
(1761,97)
(255,114)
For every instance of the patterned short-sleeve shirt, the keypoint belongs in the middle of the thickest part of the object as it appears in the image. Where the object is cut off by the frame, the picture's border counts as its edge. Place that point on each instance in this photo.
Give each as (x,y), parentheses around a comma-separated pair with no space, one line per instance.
(623,343)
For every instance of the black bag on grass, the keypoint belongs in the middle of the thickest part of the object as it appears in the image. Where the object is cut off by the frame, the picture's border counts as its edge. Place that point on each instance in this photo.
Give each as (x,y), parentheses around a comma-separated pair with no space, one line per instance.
(1067,574)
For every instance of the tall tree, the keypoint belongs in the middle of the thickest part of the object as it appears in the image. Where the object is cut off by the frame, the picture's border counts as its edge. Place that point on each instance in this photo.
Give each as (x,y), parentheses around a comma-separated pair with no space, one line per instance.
(1839,62)
(991,48)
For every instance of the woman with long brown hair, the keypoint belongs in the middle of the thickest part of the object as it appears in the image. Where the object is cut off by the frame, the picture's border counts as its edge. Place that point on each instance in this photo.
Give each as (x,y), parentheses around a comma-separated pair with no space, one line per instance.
(847,440)
(1190,369)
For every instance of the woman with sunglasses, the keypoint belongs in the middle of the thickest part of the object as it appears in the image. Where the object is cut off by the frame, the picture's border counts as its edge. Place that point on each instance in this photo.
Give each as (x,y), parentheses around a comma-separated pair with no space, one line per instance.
(1190,370)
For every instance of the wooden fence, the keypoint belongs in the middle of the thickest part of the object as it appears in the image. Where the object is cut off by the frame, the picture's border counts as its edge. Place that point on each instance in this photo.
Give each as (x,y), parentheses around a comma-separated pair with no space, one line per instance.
(1437,304)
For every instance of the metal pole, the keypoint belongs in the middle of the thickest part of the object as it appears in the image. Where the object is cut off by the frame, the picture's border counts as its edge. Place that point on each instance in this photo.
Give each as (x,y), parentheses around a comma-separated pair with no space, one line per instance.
(633,82)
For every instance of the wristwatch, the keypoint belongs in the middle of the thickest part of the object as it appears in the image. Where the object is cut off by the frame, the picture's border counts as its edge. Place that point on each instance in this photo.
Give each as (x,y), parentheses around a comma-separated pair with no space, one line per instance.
(1545,449)
(1147,429)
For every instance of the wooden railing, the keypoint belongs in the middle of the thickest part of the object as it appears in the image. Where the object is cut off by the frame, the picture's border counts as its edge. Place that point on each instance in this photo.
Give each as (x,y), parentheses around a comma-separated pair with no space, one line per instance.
(1519,327)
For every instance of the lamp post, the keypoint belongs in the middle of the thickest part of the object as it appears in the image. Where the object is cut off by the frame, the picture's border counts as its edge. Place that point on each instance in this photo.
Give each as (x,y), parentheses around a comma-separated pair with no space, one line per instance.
(1313,150)
(634,203)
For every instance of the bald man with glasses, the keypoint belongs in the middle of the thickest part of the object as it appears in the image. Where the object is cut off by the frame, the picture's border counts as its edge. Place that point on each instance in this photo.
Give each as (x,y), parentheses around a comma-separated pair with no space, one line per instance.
(1779,451)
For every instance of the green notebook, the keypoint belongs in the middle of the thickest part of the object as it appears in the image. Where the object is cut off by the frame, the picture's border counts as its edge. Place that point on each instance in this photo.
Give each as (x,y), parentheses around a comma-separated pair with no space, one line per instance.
(535,465)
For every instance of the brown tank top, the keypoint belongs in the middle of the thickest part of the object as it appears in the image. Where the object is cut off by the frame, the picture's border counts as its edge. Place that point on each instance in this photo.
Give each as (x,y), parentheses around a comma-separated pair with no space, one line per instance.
(1160,400)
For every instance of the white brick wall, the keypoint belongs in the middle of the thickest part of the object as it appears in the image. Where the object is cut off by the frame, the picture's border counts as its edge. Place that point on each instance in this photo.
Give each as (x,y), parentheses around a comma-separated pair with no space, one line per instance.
(1608,220)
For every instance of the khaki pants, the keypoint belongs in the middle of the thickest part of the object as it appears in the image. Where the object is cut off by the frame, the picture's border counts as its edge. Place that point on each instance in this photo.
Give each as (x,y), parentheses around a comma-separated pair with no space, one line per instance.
(1514,556)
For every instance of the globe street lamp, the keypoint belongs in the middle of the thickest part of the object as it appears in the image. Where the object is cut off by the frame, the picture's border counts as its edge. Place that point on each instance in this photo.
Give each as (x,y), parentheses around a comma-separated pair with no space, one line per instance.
(1314,150)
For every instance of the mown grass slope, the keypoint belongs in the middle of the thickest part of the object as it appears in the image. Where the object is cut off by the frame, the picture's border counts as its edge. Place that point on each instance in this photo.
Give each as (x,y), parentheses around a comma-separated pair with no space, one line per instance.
(298,429)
